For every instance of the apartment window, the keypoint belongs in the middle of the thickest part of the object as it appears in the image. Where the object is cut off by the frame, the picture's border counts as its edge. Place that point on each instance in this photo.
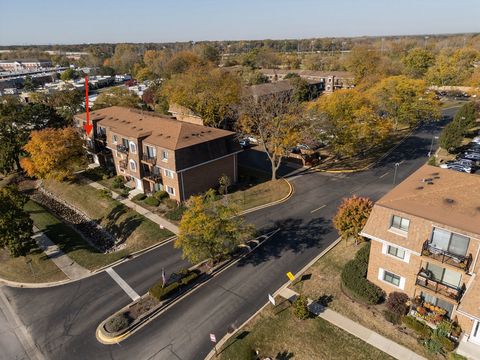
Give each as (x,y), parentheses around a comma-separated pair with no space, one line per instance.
(133,165)
(170,190)
(164,155)
(395,251)
(133,147)
(150,151)
(168,173)
(450,242)
(400,223)
(391,278)
(125,142)
(445,276)
(114,139)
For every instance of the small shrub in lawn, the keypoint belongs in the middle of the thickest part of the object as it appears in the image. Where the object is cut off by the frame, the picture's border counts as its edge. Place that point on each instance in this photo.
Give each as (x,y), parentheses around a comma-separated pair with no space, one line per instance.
(433,346)
(354,278)
(139,197)
(116,323)
(391,317)
(161,194)
(397,303)
(300,308)
(125,191)
(151,201)
(105,177)
(177,213)
(105,193)
(172,204)
(419,327)
(117,182)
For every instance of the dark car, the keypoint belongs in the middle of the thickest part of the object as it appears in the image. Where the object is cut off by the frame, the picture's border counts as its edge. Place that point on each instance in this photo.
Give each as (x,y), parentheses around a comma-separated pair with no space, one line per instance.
(471,155)
(245,143)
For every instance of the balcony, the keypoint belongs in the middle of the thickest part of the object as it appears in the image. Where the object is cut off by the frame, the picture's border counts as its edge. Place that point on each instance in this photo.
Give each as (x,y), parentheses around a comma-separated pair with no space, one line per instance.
(153,177)
(151,160)
(122,149)
(426,281)
(445,257)
(101,137)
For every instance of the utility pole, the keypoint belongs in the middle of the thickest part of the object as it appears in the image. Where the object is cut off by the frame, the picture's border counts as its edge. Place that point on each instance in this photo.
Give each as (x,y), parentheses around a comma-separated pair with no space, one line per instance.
(395,173)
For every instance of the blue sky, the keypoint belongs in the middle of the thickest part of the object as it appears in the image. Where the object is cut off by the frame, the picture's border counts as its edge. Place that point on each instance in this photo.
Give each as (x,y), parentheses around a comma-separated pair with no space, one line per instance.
(68,21)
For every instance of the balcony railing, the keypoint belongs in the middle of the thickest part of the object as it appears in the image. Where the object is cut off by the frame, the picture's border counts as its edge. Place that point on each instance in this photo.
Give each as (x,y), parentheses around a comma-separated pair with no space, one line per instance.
(152,160)
(101,137)
(445,257)
(153,177)
(122,149)
(425,280)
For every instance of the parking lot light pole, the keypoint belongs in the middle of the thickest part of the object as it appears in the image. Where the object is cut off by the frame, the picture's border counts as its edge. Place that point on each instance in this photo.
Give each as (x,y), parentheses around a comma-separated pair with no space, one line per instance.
(395,172)
(431,145)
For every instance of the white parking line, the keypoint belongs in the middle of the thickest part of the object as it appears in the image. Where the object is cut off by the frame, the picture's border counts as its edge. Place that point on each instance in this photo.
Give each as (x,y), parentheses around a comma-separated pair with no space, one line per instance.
(384,174)
(130,292)
(321,207)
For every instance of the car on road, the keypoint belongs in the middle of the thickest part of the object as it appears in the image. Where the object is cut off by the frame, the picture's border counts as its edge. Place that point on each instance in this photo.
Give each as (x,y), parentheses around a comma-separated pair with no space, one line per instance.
(244,143)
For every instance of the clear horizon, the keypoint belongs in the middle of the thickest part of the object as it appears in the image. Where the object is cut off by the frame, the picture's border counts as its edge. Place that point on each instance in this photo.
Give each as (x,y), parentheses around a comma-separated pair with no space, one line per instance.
(53,22)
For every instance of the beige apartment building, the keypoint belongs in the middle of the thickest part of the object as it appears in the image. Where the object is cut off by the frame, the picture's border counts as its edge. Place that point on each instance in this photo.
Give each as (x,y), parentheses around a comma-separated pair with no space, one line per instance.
(155,152)
(425,242)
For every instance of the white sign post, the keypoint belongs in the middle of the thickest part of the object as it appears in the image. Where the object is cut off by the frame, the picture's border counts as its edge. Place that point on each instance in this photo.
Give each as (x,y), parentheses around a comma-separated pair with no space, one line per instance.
(213,339)
(271,299)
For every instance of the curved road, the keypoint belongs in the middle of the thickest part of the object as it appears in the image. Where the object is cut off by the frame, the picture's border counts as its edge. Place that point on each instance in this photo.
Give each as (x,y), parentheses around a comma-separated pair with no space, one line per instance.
(62,320)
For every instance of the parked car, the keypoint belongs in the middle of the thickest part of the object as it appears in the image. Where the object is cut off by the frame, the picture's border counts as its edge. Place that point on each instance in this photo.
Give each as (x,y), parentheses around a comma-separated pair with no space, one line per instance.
(252,139)
(463,162)
(460,168)
(476,140)
(245,143)
(471,155)
(455,165)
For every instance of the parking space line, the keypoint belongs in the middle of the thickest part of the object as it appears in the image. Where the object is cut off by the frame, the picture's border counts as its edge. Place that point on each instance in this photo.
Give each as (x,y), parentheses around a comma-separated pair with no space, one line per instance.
(125,287)
(384,174)
(321,207)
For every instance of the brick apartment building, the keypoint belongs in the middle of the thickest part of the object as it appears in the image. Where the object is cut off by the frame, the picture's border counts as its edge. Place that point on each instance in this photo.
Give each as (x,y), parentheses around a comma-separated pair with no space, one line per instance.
(425,242)
(155,152)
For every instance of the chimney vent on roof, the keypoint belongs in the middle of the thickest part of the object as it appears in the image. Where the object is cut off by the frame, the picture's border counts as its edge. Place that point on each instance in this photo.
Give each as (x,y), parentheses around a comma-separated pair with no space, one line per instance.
(449,201)
(419,188)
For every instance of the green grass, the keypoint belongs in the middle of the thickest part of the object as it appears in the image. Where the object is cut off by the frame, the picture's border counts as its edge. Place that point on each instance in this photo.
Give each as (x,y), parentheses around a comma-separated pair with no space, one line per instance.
(39,268)
(68,240)
(260,194)
(136,231)
(278,334)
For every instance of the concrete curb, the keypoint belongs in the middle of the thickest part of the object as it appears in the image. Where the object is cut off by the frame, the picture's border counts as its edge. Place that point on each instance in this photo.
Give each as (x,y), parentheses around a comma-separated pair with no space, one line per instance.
(223,340)
(273,203)
(92,273)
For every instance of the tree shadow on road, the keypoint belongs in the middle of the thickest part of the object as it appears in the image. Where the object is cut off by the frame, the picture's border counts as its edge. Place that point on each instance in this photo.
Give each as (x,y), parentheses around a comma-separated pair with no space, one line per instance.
(294,235)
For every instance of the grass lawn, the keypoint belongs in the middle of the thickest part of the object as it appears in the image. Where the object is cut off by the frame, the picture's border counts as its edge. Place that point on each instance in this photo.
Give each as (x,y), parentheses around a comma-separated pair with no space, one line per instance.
(260,194)
(325,280)
(278,334)
(40,269)
(135,230)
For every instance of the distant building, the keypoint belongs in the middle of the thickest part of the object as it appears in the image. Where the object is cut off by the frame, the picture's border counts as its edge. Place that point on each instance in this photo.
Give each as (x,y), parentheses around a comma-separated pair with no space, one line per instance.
(281,87)
(24,65)
(154,152)
(331,80)
(425,242)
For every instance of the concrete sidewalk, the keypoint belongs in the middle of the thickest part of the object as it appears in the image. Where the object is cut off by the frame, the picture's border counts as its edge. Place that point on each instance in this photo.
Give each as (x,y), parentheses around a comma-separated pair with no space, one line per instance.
(64,263)
(380,342)
(140,209)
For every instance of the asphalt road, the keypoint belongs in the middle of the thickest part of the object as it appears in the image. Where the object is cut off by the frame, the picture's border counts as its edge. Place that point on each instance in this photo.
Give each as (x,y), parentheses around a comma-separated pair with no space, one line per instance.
(62,320)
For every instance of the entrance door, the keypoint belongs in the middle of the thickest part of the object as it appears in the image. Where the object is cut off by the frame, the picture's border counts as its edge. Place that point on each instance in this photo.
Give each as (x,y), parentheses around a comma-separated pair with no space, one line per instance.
(138,184)
(475,335)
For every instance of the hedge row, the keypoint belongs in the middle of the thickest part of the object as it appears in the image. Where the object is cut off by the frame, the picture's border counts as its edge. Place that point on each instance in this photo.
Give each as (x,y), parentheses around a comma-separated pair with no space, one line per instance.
(419,327)
(354,278)
(160,293)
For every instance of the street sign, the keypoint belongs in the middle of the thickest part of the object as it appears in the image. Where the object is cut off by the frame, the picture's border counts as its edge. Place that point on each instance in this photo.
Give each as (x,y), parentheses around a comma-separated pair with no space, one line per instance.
(290,276)
(271,299)
(213,338)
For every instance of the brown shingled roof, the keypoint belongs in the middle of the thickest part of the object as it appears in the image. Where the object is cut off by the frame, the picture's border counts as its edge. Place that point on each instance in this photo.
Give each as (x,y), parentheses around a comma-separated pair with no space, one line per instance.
(156,129)
(440,195)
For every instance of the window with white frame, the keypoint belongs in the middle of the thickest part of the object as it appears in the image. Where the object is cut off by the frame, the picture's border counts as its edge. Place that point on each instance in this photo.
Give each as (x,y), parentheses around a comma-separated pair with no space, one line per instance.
(400,223)
(133,165)
(133,147)
(391,278)
(170,190)
(169,173)
(164,155)
(395,251)
(114,139)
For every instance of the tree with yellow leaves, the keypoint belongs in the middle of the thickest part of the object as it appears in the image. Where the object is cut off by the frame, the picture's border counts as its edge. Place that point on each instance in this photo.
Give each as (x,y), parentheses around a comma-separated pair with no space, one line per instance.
(277,121)
(53,154)
(210,229)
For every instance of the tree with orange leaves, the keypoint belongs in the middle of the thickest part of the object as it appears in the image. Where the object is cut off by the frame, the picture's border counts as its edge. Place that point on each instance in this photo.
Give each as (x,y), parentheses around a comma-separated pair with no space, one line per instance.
(352,216)
(54,153)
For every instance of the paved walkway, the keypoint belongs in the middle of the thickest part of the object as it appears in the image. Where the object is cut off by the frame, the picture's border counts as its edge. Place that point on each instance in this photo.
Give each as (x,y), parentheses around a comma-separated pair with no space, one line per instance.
(64,263)
(140,209)
(380,342)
